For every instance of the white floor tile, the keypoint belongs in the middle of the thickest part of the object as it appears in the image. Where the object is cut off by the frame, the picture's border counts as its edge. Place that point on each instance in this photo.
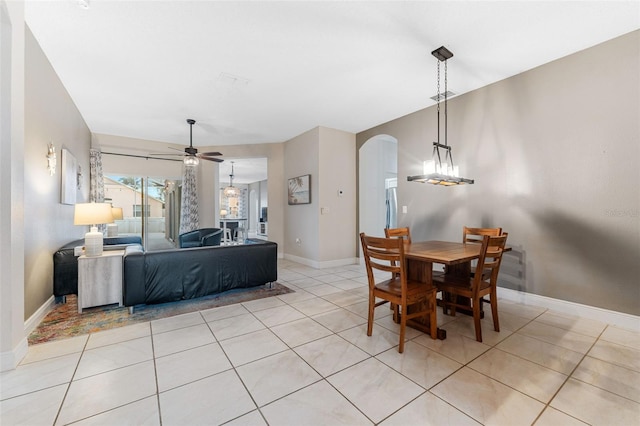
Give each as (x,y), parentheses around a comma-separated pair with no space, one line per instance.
(624,356)
(38,375)
(376,389)
(314,306)
(188,366)
(483,399)
(35,408)
(278,315)
(610,377)
(260,304)
(456,346)
(111,357)
(116,388)
(235,326)
(339,320)
(224,312)
(539,382)
(299,332)
(423,366)
(212,400)
(318,404)
(139,413)
(117,335)
(181,339)
(254,418)
(331,354)
(558,336)
(542,353)
(252,346)
(380,340)
(54,349)
(595,406)
(553,417)
(176,322)
(622,336)
(429,410)
(275,376)
(573,323)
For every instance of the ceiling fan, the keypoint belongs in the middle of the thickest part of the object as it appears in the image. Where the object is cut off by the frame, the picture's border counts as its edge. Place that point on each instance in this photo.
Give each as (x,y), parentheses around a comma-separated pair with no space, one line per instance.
(191,155)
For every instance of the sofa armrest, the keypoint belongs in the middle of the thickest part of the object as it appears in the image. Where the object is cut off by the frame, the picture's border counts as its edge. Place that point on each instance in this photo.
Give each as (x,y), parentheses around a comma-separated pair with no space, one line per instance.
(133,293)
(212,239)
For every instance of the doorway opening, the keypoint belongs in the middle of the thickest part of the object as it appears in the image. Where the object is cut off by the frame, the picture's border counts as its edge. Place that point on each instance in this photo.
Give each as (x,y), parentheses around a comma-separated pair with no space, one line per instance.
(377,177)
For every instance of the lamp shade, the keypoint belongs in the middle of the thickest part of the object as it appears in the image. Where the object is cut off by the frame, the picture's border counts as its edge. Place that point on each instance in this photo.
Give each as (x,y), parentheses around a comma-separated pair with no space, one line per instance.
(92,214)
(117,213)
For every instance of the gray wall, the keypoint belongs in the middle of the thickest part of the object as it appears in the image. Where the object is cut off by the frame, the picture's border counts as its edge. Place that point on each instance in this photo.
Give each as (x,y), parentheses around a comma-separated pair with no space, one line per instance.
(554,152)
(50,116)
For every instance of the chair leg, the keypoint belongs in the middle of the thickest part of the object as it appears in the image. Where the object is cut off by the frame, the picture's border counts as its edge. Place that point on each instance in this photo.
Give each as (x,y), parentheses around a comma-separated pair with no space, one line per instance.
(372,306)
(476,319)
(403,324)
(494,310)
(433,317)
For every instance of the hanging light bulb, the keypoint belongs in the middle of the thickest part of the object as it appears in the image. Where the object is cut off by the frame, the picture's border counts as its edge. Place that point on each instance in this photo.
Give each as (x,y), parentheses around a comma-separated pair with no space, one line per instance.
(191,161)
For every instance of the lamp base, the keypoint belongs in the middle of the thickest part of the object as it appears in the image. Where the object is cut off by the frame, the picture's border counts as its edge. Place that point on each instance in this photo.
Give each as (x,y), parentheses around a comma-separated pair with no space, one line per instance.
(93,242)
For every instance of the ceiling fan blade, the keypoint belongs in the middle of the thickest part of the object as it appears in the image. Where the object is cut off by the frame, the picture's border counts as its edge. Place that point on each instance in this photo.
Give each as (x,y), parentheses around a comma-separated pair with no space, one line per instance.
(181,150)
(211,154)
(217,160)
(166,154)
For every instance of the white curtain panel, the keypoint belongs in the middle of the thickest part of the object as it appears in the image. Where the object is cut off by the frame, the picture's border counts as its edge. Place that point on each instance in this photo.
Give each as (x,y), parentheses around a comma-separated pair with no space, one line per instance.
(189,220)
(96,187)
(96,181)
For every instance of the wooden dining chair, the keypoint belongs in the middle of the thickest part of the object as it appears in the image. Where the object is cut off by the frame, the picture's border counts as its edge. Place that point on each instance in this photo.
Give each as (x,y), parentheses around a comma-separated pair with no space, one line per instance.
(476,287)
(474,235)
(387,254)
(403,233)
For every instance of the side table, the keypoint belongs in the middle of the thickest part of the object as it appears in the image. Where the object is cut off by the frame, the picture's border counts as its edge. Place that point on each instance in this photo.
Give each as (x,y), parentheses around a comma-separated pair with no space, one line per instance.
(100,279)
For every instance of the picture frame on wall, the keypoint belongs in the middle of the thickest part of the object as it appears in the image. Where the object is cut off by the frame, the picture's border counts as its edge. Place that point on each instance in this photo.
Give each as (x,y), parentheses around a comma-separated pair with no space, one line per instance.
(299,189)
(69,185)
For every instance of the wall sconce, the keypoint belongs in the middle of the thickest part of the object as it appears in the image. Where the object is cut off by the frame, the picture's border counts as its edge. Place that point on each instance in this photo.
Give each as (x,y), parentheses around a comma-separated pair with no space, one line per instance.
(51,159)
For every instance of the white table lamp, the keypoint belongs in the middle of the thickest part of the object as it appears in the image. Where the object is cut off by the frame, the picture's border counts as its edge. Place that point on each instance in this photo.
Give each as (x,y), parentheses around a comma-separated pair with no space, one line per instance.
(92,214)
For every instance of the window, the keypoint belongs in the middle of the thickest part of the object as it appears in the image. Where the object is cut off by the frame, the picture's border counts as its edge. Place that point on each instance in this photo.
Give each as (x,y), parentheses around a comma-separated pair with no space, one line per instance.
(137,210)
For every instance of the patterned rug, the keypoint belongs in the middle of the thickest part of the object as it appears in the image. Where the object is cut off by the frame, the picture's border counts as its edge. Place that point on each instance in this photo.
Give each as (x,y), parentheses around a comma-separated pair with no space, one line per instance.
(64,321)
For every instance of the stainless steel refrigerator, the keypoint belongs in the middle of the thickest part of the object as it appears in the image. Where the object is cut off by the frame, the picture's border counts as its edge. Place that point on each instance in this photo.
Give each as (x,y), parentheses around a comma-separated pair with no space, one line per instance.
(391,202)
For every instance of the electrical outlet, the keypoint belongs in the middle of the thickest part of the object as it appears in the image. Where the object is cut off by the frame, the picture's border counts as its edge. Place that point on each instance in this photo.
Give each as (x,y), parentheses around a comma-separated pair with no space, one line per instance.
(298,242)
(404,209)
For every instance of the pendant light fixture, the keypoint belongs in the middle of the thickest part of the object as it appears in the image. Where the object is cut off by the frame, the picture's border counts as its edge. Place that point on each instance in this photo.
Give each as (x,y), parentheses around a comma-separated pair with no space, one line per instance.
(438,171)
(231,191)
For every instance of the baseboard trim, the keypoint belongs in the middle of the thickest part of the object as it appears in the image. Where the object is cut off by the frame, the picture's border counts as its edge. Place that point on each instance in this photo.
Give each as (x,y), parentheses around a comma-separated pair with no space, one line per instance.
(620,319)
(10,359)
(37,317)
(321,265)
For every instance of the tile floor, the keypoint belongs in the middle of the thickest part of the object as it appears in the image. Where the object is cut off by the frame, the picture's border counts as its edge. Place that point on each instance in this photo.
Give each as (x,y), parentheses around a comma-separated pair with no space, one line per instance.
(304,358)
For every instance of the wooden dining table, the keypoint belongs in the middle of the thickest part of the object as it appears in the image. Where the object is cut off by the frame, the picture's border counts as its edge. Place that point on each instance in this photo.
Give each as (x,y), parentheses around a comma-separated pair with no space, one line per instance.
(422,255)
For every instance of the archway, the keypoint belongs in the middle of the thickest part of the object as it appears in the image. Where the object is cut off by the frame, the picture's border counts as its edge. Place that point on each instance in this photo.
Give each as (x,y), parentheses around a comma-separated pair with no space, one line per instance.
(378,172)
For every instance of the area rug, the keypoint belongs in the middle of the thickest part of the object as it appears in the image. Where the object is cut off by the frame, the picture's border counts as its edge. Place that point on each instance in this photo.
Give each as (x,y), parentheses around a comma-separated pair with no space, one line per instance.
(64,321)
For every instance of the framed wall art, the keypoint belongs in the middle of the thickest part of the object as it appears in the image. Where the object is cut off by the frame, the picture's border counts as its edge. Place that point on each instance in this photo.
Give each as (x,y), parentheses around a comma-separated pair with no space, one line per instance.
(300,190)
(69,174)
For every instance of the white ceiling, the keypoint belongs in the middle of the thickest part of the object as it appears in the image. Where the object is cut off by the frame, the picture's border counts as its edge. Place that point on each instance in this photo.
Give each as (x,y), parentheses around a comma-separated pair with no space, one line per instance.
(261,72)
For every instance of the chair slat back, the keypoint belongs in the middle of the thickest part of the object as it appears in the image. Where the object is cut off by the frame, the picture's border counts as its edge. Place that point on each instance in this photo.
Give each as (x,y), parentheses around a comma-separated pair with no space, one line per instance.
(402,233)
(489,260)
(384,254)
(474,235)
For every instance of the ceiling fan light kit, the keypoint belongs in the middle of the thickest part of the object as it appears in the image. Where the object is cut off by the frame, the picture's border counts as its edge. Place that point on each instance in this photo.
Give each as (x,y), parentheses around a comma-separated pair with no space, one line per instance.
(191,156)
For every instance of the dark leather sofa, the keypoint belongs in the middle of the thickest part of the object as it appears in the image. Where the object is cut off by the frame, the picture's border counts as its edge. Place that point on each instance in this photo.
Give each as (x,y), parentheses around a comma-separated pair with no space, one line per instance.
(178,274)
(200,238)
(65,263)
